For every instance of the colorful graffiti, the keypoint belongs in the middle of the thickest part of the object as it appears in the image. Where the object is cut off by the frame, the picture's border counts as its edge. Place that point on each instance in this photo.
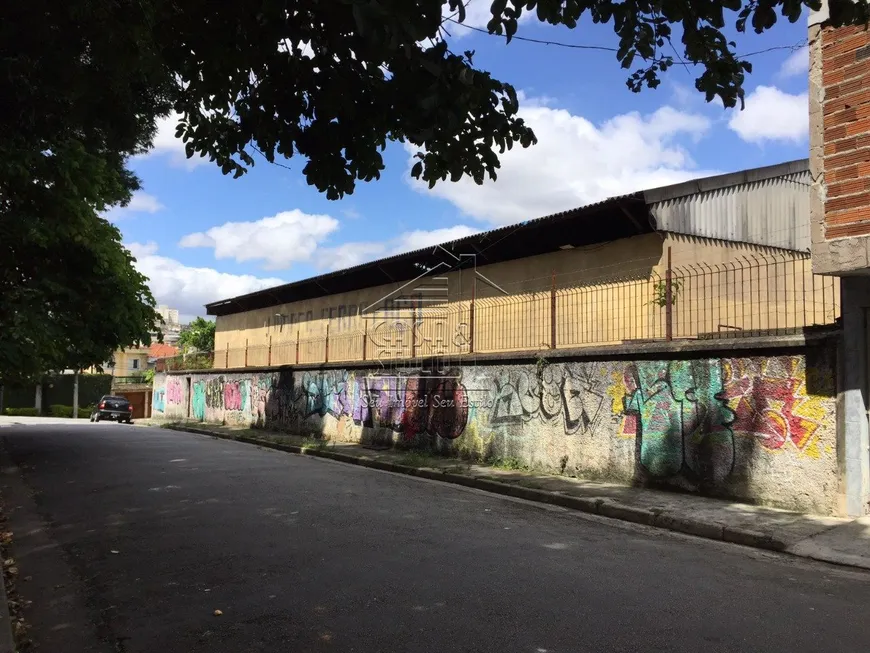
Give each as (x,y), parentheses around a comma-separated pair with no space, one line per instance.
(326,392)
(678,411)
(174,391)
(158,400)
(770,400)
(197,402)
(708,425)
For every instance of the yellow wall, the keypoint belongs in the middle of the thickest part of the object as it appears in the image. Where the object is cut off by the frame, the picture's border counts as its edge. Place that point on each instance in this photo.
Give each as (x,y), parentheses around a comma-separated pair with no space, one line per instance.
(606,293)
(123,362)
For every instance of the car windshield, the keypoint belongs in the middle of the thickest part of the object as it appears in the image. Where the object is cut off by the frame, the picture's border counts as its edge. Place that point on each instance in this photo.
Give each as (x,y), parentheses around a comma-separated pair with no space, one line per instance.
(111,398)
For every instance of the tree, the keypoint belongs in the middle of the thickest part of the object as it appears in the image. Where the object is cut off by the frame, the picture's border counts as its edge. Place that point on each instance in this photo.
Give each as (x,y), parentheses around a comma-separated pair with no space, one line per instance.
(72,114)
(333,81)
(198,336)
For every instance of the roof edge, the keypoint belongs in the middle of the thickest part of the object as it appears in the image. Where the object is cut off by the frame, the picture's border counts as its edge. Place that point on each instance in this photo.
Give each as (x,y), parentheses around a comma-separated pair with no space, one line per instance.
(727,180)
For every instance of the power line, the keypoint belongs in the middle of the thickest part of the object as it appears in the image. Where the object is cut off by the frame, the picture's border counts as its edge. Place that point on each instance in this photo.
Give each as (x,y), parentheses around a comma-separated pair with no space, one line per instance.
(539,41)
(578,46)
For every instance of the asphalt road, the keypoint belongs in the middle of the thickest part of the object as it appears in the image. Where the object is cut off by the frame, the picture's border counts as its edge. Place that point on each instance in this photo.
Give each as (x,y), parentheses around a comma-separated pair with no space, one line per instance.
(128,539)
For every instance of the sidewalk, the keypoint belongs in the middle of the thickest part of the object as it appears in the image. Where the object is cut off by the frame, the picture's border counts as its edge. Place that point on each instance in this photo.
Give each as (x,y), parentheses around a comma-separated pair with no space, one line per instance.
(840,541)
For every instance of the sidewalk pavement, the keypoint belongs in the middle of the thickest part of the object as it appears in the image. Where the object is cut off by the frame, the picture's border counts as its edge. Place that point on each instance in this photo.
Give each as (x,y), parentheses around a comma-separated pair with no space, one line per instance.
(830,539)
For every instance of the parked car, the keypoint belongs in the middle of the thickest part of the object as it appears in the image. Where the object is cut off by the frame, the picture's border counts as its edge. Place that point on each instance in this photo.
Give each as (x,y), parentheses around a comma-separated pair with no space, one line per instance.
(112,407)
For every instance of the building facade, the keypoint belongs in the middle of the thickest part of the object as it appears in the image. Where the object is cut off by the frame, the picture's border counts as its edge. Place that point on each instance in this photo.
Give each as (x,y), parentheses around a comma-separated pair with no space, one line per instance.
(720,256)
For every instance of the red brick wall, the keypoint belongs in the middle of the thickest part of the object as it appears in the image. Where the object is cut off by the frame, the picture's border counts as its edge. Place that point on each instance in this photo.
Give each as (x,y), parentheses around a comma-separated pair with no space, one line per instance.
(846,110)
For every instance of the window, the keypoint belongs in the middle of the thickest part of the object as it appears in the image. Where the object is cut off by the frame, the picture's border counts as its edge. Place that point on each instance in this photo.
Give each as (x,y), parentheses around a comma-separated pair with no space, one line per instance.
(135,363)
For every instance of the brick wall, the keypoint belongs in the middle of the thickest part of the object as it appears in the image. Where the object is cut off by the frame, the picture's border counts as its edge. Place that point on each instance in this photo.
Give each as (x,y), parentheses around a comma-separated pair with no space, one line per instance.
(846,135)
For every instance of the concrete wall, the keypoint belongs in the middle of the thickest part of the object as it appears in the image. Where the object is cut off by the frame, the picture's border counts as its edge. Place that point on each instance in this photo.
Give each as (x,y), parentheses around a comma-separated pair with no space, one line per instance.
(757,428)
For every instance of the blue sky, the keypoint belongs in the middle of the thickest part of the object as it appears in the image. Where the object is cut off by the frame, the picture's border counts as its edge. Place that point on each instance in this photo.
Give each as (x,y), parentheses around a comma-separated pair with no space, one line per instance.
(200,236)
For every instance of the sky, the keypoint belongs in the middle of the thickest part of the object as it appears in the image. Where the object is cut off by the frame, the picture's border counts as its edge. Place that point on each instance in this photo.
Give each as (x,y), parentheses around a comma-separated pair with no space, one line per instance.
(200,236)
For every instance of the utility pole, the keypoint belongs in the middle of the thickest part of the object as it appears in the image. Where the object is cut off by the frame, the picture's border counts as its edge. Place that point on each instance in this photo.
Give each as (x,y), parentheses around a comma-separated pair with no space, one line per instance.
(75,412)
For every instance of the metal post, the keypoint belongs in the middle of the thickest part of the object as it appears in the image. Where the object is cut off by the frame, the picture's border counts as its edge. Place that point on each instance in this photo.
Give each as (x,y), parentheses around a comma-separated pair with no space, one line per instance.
(414,330)
(669,301)
(553,313)
(326,352)
(365,337)
(227,360)
(246,352)
(471,316)
(270,351)
(75,411)
(297,346)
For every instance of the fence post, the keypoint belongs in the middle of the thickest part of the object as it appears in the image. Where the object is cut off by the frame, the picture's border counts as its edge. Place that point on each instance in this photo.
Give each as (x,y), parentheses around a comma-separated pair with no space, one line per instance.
(297,346)
(669,301)
(553,312)
(227,360)
(365,337)
(414,330)
(326,352)
(246,352)
(471,316)
(270,351)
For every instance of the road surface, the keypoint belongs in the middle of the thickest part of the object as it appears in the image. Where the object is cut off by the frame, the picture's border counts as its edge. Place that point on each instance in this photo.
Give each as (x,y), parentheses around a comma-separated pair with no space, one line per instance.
(128,539)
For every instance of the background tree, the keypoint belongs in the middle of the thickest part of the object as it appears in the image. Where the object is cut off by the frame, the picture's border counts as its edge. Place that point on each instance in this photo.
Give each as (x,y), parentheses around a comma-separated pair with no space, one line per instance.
(198,336)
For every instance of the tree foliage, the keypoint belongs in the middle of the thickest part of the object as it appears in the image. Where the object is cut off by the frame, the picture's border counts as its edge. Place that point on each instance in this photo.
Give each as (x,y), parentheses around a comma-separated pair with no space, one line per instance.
(198,336)
(80,95)
(332,82)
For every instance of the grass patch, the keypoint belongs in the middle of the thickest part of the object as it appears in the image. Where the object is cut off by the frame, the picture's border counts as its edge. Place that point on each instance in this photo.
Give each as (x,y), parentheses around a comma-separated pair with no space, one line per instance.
(507,464)
(418,459)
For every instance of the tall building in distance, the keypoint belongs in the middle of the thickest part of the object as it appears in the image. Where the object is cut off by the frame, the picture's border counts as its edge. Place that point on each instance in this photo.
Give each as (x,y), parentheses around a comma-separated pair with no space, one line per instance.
(172,326)
(169,315)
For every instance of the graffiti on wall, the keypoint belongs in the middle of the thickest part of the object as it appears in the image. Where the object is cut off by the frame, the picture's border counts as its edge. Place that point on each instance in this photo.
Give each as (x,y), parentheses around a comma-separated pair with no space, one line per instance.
(684,415)
(158,400)
(678,411)
(769,397)
(198,400)
(574,392)
(174,391)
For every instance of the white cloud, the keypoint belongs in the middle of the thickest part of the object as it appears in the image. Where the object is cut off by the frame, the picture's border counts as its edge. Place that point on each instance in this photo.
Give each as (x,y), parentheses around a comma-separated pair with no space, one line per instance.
(798,63)
(576,162)
(279,241)
(140,203)
(353,253)
(189,288)
(771,114)
(166,144)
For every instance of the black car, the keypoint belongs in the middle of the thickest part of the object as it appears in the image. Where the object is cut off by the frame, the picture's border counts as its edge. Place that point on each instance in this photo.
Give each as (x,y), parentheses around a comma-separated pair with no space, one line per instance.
(111,407)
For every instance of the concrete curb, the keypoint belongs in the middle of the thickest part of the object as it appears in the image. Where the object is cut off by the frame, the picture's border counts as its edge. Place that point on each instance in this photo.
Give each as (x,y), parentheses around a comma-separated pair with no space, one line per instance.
(596,506)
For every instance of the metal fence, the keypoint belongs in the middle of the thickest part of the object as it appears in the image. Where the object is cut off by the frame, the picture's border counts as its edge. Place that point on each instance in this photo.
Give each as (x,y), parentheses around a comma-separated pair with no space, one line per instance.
(751,296)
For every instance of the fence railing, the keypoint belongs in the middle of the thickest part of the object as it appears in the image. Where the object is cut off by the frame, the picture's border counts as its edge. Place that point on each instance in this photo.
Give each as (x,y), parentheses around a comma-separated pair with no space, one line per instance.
(755,295)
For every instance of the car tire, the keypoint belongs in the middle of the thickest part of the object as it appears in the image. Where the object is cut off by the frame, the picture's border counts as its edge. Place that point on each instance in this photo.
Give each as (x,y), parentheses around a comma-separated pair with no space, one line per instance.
(129,421)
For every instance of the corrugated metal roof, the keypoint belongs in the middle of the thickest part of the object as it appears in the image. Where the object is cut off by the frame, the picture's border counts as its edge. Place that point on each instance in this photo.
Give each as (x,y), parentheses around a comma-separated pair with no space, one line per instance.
(764,206)
(771,210)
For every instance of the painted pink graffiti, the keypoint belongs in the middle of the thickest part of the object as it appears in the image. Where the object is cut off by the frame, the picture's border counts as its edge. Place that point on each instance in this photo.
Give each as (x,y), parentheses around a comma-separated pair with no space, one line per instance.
(174,393)
(232,396)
